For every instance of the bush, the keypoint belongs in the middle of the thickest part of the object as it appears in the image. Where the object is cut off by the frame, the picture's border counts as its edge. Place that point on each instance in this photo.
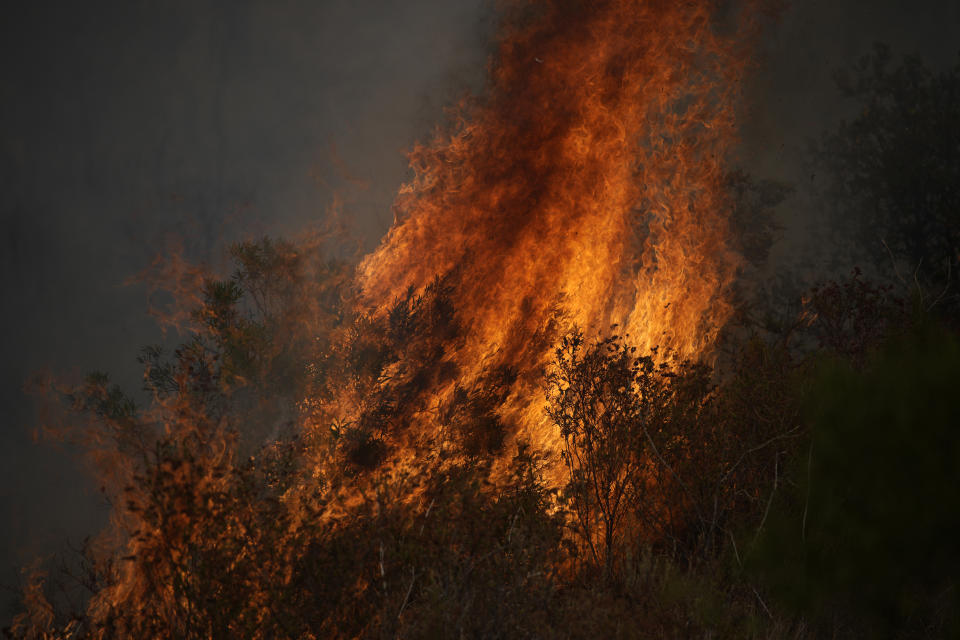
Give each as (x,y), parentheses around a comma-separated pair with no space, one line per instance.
(868,533)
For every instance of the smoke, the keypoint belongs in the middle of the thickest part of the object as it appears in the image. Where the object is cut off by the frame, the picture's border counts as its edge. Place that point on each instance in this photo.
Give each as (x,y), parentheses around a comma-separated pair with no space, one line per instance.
(792,99)
(128,124)
(583,188)
(124,123)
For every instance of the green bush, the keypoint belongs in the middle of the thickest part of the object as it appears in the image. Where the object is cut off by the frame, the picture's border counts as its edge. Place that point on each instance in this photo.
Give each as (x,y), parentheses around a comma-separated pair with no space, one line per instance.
(868,534)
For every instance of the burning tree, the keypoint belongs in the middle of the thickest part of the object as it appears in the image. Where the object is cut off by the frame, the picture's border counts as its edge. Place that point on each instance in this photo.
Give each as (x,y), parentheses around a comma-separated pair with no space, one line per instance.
(586,187)
(403,479)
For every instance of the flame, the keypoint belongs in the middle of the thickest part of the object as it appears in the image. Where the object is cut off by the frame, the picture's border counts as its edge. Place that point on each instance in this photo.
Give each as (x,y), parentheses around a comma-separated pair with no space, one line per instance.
(584,189)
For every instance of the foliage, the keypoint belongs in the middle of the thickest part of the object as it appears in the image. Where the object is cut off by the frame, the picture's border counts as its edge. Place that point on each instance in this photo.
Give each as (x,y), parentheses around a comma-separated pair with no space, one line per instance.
(319,530)
(895,167)
(658,455)
(868,532)
(613,411)
(295,474)
(847,318)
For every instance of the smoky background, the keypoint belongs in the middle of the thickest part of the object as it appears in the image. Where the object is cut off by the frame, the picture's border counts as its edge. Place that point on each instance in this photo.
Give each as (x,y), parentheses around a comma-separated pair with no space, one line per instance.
(128,129)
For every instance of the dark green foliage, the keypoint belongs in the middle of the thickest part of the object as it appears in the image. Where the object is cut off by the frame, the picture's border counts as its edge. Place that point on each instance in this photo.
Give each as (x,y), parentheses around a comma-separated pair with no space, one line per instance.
(895,167)
(868,534)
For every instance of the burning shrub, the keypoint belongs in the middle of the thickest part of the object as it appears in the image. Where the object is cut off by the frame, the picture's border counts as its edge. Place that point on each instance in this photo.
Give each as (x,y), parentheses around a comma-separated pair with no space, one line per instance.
(472,417)
(594,401)
(655,454)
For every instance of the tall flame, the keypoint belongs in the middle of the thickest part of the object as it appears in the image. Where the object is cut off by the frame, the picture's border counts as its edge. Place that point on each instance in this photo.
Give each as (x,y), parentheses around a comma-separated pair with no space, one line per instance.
(588,179)
(586,188)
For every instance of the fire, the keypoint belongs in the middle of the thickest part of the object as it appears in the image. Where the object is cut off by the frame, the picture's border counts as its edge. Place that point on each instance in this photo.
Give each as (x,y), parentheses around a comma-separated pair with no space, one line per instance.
(584,188)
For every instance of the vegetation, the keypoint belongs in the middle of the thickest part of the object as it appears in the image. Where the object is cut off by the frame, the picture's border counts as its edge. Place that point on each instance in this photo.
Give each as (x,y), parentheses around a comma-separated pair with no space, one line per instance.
(278,484)
(894,170)
(866,538)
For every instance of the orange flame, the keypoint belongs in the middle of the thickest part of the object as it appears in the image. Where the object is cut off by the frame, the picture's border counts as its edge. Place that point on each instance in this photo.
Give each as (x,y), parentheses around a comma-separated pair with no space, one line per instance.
(586,187)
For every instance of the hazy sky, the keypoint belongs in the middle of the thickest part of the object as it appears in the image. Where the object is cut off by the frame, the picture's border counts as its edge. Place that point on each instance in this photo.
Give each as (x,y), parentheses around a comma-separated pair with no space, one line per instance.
(125,125)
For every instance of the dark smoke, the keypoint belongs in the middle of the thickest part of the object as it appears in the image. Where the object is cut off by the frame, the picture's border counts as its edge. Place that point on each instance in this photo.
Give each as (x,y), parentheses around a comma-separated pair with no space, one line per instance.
(125,124)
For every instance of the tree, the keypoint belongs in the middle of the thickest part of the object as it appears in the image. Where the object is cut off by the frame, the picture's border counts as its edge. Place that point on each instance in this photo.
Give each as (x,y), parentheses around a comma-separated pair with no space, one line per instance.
(894,169)
(636,446)
(595,404)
